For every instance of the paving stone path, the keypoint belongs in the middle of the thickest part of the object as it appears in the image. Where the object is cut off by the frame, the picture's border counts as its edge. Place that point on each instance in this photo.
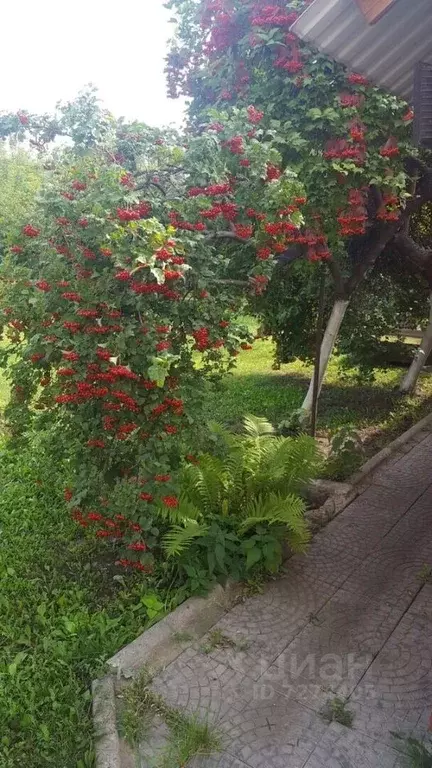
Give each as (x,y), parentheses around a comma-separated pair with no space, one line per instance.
(350,619)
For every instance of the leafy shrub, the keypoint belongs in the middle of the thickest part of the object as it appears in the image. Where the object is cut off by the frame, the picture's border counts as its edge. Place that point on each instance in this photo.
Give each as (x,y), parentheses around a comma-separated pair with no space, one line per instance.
(346,453)
(119,310)
(237,508)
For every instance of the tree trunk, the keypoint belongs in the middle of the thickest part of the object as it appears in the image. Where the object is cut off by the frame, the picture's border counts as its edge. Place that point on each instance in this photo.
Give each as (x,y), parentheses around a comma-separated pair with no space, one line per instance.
(409,381)
(377,242)
(334,323)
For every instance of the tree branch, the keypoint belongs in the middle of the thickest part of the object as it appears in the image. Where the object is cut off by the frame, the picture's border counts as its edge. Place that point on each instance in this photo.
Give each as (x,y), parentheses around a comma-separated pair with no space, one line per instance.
(151,183)
(413,164)
(423,193)
(159,187)
(407,246)
(384,232)
(226,235)
(376,196)
(379,237)
(412,191)
(415,254)
(337,277)
(240,283)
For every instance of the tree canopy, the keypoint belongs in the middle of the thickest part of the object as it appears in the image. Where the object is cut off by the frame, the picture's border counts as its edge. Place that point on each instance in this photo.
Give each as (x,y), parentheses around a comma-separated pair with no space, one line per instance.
(348,141)
(20,179)
(120,306)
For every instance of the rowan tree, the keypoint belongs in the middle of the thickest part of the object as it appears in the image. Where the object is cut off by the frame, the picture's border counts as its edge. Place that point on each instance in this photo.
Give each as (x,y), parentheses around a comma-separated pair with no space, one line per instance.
(120,309)
(348,141)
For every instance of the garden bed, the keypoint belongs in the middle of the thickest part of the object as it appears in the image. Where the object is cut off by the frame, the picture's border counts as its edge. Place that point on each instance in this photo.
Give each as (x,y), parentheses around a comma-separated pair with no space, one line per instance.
(62,613)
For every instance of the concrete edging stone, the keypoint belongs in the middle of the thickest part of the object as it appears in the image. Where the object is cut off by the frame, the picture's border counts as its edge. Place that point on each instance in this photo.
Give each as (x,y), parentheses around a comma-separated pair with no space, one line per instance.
(107,742)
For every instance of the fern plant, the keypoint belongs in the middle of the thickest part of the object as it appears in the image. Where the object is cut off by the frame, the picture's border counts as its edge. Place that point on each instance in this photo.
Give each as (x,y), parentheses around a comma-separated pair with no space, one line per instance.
(238,508)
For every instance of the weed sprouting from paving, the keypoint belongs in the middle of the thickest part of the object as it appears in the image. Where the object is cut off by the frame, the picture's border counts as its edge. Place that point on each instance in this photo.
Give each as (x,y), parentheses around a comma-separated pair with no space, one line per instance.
(141,706)
(182,637)
(218,639)
(425,574)
(418,753)
(335,711)
(188,735)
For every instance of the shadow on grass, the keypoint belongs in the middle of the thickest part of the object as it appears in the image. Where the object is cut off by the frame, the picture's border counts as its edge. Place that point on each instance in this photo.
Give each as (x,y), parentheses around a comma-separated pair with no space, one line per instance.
(377,410)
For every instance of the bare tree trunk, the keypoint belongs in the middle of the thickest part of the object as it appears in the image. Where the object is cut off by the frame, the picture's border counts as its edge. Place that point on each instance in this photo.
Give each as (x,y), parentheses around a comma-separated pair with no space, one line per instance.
(334,323)
(380,238)
(409,381)
(318,343)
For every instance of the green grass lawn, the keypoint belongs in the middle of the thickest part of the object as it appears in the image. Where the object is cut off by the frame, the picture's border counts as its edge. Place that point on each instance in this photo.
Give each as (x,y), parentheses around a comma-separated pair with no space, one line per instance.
(62,614)
(4,392)
(376,410)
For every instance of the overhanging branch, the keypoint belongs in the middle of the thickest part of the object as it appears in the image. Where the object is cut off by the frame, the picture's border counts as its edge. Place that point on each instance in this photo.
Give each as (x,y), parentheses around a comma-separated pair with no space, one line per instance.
(226,235)
(239,283)
(379,238)
(384,232)
(415,254)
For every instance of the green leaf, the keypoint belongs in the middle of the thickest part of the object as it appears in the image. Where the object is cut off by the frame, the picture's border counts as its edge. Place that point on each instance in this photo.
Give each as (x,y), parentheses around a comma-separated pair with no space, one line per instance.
(153,605)
(314,113)
(158,274)
(70,626)
(220,555)
(211,561)
(158,374)
(253,557)
(13,666)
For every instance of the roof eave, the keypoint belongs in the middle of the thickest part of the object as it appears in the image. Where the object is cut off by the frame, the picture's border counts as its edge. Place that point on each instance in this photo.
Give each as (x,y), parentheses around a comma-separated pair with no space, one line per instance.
(386,52)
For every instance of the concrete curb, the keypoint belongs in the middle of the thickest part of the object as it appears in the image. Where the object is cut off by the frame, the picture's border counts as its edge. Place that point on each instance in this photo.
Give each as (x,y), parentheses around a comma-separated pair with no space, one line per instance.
(332,507)
(157,646)
(345,493)
(386,452)
(107,743)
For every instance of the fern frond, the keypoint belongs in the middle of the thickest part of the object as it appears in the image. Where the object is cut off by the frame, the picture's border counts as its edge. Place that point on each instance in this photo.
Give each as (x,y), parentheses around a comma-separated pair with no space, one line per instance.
(274,508)
(257,426)
(277,509)
(235,471)
(179,538)
(303,461)
(287,464)
(183,513)
(298,540)
(419,753)
(204,483)
(218,430)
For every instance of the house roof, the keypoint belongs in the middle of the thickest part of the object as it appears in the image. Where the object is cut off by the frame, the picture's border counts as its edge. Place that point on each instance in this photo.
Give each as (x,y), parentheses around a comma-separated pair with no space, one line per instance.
(385,52)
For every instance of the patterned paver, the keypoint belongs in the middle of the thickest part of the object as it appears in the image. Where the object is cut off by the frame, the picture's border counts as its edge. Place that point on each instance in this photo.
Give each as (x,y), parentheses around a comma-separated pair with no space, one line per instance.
(266,623)
(260,731)
(399,681)
(352,618)
(347,748)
